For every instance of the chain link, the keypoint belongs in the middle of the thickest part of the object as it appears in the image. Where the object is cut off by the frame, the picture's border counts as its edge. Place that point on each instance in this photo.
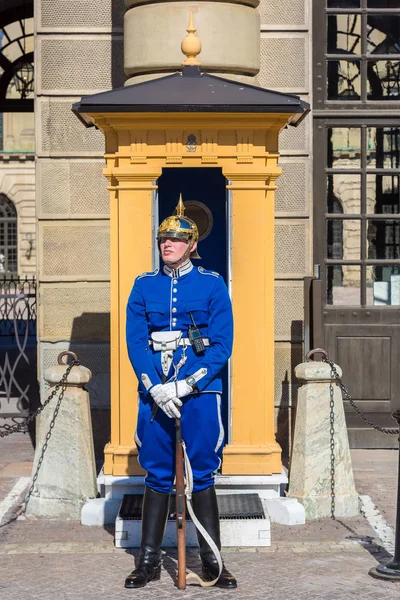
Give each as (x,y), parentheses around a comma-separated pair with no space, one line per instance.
(6,429)
(332,443)
(353,405)
(345,394)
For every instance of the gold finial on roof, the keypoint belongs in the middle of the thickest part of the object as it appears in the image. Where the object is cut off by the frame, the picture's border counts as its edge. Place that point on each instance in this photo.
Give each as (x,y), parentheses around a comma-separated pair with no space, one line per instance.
(191,45)
(180,208)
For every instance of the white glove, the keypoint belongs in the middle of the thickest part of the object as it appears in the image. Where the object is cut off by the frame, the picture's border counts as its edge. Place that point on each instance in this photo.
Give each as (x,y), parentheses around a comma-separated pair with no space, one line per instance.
(168,402)
(178,388)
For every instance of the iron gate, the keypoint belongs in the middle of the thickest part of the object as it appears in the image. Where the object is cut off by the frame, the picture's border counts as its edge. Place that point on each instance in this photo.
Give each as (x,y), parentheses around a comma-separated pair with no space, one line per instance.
(18,347)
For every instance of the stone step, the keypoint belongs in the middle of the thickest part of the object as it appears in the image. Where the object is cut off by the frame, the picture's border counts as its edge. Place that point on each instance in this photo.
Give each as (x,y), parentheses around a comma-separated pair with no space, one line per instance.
(243,522)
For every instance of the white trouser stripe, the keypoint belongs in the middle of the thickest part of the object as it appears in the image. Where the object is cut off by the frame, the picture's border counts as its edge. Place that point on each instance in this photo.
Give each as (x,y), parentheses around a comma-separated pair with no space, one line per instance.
(136,437)
(221,427)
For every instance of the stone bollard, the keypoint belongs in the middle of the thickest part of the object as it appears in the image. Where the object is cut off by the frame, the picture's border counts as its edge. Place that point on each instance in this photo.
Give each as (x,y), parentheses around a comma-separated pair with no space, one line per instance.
(310,470)
(67,476)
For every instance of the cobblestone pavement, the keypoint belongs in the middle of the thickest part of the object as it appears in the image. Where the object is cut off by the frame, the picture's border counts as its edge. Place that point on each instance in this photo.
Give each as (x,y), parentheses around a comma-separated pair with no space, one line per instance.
(41,559)
(375,473)
(75,572)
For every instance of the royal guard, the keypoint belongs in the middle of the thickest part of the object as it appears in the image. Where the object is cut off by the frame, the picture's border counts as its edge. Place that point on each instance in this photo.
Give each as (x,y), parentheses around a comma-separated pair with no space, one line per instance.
(179,336)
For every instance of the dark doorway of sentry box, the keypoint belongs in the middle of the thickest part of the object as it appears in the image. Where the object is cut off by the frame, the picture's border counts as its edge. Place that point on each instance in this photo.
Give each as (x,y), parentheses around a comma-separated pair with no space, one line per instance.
(205,197)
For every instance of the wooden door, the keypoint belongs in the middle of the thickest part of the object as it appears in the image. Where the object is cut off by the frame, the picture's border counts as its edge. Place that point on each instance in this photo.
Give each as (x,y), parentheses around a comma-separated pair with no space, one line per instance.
(356,113)
(357,228)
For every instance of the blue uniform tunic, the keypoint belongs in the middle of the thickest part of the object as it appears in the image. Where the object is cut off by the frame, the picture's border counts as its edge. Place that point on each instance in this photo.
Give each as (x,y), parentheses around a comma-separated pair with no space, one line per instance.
(162,301)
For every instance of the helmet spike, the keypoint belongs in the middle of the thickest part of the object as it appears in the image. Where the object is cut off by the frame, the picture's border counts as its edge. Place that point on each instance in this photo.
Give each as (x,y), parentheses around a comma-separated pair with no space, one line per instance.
(180,207)
(180,227)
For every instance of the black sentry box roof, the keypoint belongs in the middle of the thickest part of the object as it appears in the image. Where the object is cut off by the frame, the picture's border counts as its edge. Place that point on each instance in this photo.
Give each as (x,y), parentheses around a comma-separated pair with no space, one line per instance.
(191,91)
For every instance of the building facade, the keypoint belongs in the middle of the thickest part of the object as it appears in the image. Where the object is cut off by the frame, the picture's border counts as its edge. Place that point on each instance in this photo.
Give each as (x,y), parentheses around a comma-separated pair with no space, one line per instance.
(267,44)
(339,176)
(17,143)
(356,200)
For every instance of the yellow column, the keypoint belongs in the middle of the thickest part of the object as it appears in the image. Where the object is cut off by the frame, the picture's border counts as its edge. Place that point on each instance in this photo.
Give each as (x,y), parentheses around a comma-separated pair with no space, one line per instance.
(131,254)
(252,449)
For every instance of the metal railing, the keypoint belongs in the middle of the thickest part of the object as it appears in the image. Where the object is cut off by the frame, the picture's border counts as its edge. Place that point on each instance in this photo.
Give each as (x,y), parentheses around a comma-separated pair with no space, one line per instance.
(18,382)
(17,306)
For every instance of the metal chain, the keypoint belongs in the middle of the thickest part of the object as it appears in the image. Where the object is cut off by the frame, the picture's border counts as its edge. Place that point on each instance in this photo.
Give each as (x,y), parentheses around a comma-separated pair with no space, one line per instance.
(345,394)
(9,429)
(350,399)
(63,384)
(332,443)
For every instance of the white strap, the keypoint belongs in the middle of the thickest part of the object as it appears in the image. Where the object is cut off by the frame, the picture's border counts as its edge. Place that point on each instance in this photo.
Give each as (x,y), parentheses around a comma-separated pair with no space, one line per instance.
(182,342)
(188,493)
(186,342)
(166,361)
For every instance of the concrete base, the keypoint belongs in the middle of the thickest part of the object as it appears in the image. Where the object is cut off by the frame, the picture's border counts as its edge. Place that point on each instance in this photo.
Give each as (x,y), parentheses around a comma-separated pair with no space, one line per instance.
(278,509)
(346,506)
(234,532)
(270,488)
(266,486)
(100,511)
(66,474)
(55,508)
(311,462)
(285,511)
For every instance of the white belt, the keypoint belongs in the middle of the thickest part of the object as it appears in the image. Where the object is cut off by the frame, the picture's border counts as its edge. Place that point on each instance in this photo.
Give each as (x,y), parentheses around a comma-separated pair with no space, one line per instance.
(166,342)
(183,342)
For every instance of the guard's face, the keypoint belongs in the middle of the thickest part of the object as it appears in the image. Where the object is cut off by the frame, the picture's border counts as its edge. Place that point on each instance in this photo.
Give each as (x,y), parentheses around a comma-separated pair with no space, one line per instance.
(174,251)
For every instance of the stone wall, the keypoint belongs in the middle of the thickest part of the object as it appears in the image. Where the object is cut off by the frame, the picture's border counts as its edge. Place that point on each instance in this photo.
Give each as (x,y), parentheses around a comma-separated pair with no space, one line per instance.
(17,182)
(229,34)
(285,65)
(78,51)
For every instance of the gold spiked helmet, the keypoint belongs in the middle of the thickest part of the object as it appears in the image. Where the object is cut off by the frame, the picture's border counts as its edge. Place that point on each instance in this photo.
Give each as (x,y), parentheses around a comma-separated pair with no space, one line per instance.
(180,227)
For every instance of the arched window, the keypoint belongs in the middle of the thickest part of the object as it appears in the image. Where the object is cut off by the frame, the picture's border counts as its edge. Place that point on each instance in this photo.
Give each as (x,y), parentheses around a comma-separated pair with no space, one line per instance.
(8,236)
(16,55)
(16,76)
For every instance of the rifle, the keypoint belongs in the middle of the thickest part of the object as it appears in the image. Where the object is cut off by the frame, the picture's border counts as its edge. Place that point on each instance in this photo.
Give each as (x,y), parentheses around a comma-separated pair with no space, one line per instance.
(180,508)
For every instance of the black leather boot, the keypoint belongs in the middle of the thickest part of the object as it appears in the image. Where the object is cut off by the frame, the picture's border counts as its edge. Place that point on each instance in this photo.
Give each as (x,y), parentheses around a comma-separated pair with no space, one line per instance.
(154,519)
(206,510)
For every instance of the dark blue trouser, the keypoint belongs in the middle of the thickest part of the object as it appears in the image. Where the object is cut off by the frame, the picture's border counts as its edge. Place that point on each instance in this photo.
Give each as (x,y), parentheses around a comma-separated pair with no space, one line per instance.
(202,431)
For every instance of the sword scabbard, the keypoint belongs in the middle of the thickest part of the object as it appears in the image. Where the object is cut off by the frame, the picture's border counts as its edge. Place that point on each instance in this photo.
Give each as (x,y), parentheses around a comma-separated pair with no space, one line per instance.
(180,509)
